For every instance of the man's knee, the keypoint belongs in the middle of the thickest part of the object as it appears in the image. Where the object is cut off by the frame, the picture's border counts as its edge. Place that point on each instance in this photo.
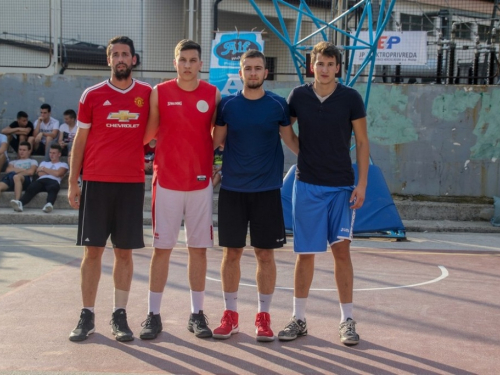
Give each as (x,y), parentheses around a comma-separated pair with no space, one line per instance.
(93,253)
(123,255)
(264,255)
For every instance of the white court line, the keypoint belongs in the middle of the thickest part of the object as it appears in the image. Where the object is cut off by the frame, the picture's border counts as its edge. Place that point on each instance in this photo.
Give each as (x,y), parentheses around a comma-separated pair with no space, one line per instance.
(444,274)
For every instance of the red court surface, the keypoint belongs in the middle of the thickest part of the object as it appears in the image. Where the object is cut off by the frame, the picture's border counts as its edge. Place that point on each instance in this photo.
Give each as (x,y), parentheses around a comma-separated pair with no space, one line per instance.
(418,312)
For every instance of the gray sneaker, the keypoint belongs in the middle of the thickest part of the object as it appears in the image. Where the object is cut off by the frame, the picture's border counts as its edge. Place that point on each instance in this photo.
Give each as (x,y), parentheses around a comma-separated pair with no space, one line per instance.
(16,205)
(48,208)
(347,332)
(293,329)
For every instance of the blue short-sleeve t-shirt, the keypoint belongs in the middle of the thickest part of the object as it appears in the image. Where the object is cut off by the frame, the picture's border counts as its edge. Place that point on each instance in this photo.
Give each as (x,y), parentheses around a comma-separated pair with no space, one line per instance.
(253,154)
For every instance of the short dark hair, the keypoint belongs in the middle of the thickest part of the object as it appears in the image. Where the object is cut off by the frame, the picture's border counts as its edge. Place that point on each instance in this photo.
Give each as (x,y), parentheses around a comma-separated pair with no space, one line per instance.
(187,44)
(25,144)
(326,49)
(22,114)
(120,40)
(46,106)
(56,146)
(70,113)
(252,54)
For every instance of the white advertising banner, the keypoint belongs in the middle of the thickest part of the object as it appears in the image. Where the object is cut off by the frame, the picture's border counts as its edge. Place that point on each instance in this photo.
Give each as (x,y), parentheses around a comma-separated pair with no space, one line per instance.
(397,48)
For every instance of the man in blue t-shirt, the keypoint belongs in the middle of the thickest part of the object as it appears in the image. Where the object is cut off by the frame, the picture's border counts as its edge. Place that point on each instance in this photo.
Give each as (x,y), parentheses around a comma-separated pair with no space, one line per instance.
(324,195)
(249,124)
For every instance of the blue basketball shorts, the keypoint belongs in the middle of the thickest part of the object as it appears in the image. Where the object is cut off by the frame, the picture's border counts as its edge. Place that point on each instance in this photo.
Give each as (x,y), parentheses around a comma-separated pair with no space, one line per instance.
(321,216)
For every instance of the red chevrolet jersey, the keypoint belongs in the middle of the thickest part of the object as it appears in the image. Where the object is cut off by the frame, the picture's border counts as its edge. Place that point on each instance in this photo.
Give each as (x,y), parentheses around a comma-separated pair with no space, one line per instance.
(184,148)
(117,120)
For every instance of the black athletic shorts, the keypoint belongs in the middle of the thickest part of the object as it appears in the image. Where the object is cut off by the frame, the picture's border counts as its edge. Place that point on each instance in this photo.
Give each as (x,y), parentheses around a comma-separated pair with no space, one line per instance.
(8,180)
(111,208)
(262,210)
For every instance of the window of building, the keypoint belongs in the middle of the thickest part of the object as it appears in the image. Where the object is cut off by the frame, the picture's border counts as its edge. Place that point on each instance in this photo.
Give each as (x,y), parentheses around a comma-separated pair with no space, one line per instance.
(271,66)
(483,32)
(463,30)
(412,22)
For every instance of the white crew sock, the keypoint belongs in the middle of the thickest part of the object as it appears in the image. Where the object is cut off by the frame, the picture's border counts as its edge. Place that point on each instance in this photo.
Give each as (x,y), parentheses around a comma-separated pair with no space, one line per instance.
(264,302)
(230,301)
(299,308)
(197,299)
(346,311)
(154,302)
(120,299)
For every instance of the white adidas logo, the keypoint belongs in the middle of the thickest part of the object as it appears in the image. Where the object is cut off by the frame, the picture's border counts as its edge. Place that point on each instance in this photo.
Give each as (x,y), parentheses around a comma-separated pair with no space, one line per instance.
(107,102)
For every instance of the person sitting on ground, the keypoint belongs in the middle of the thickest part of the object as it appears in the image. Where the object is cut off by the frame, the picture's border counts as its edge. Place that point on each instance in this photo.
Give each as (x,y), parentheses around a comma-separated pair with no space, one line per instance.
(19,171)
(19,131)
(46,130)
(67,132)
(4,157)
(217,166)
(149,155)
(50,174)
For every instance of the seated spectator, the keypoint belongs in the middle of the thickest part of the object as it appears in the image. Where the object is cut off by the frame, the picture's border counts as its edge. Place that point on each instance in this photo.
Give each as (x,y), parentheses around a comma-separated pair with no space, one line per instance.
(19,171)
(4,157)
(149,156)
(19,131)
(217,166)
(67,131)
(50,174)
(46,130)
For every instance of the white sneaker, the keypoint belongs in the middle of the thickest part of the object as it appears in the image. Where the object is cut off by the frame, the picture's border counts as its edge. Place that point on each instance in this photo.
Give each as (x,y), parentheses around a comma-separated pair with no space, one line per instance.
(16,205)
(47,208)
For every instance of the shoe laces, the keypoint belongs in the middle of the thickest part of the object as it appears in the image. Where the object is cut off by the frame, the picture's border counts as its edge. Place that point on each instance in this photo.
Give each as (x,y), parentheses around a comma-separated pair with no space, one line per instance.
(262,320)
(84,319)
(348,327)
(227,318)
(293,325)
(150,321)
(201,320)
(120,320)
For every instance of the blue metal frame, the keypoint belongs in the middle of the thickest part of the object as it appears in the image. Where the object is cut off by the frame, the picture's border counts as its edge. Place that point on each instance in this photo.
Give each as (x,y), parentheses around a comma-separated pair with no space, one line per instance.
(297,47)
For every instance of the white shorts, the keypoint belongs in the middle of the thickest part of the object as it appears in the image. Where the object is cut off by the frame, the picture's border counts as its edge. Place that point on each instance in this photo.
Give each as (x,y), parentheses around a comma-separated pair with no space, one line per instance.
(170,206)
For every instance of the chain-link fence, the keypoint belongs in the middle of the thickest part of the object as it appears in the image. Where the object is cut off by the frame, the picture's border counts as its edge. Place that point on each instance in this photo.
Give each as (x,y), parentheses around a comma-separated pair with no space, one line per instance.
(459,36)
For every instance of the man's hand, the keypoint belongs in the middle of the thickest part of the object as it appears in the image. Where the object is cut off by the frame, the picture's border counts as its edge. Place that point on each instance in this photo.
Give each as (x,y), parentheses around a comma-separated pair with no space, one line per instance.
(358,197)
(74,194)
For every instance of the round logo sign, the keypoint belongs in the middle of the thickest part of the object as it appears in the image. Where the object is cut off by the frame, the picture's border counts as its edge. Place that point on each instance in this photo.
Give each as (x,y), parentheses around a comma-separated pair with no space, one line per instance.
(202,106)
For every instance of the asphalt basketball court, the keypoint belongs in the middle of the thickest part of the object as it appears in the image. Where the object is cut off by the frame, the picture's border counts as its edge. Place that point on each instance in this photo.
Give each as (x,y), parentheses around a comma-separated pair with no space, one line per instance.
(426,306)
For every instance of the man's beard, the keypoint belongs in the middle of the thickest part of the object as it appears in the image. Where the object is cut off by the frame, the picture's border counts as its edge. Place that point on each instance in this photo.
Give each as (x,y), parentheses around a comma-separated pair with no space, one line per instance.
(122,74)
(255,85)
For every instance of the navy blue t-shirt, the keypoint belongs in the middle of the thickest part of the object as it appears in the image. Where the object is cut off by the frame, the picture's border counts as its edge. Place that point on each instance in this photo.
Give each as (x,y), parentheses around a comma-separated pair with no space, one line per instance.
(325,131)
(253,154)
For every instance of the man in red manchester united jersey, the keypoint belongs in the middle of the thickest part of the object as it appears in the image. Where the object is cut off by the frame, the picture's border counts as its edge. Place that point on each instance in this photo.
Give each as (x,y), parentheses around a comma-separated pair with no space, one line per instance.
(112,118)
(182,114)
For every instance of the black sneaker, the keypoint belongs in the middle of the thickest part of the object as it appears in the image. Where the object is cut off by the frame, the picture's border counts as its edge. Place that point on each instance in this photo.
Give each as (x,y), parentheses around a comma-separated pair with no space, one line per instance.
(199,326)
(119,326)
(152,327)
(293,329)
(85,326)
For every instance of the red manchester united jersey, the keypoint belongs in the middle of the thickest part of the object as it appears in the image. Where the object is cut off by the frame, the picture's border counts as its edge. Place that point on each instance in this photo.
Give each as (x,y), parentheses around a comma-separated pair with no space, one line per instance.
(117,120)
(184,148)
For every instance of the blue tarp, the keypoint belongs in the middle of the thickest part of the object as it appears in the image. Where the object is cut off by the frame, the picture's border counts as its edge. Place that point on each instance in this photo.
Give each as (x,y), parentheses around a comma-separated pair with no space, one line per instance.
(378,214)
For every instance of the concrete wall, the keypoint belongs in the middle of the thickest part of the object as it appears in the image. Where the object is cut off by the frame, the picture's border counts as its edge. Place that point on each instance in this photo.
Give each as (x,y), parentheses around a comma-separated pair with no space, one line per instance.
(428,139)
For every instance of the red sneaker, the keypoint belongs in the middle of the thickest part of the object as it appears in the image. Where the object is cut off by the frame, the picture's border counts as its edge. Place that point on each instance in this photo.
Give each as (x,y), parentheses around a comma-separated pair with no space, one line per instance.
(263,324)
(228,325)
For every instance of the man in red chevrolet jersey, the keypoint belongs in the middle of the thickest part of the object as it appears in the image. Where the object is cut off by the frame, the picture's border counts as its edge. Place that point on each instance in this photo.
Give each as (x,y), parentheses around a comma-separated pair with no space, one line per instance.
(112,118)
(182,115)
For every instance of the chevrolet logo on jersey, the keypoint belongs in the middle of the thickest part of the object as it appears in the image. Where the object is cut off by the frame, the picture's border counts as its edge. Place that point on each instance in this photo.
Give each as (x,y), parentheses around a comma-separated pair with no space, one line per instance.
(123,116)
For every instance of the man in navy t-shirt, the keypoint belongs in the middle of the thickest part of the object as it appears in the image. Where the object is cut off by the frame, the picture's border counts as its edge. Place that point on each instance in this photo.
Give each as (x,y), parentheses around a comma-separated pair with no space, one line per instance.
(250,124)
(324,195)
